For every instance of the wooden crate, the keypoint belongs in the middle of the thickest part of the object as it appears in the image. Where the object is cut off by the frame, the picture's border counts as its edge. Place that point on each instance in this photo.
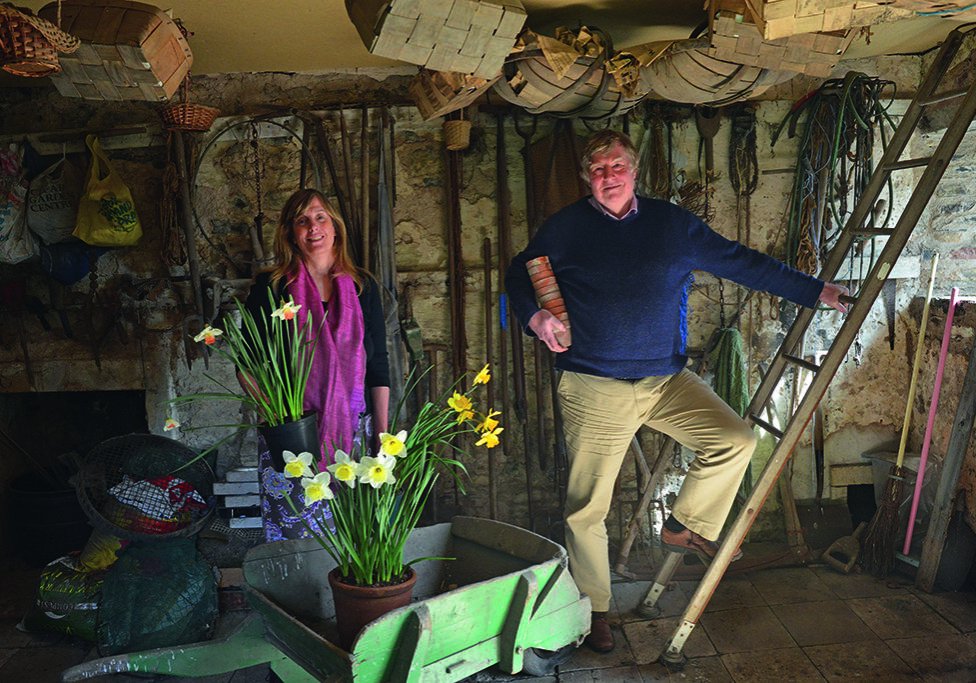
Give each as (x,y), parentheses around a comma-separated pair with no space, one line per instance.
(129,51)
(781,18)
(466,36)
(437,93)
(735,39)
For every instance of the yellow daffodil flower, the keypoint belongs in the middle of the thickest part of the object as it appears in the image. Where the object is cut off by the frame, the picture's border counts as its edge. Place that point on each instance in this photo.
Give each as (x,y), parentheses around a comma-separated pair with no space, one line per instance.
(489,423)
(317,488)
(484,376)
(171,424)
(287,310)
(459,402)
(377,471)
(208,335)
(394,445)
(490,439)
(344,469)
(297,465)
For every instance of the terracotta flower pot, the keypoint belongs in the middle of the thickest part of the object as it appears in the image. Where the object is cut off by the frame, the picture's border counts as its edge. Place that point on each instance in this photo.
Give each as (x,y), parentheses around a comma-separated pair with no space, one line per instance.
(356,606)
(298,436)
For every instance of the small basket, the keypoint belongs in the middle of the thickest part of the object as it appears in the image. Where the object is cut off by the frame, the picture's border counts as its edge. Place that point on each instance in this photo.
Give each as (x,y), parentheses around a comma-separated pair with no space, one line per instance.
(120,487)
(25,50)
(457,134)
(186,116)
(29,45)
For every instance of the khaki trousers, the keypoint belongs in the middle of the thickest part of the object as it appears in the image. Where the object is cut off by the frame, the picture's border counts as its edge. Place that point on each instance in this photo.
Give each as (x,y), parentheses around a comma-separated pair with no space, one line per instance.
(601,416)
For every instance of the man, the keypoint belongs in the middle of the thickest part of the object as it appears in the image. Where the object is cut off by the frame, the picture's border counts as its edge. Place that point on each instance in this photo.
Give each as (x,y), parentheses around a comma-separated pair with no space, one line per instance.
(624,265)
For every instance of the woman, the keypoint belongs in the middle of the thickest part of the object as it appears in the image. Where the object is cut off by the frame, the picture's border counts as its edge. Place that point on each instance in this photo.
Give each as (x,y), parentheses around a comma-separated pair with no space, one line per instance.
(349,386)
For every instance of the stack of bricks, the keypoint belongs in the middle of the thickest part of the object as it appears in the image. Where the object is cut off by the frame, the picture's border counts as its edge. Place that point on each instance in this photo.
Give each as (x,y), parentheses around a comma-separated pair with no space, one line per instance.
(466,36)
(782,18)
(736,40)
(239,497)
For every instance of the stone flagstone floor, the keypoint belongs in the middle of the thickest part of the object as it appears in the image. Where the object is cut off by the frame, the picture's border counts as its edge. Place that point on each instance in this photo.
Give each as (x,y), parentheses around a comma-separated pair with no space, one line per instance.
(784,624)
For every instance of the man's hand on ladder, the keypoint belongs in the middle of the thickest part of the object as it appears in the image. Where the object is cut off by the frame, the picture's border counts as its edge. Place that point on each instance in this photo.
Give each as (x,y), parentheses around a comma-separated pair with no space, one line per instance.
(831,296)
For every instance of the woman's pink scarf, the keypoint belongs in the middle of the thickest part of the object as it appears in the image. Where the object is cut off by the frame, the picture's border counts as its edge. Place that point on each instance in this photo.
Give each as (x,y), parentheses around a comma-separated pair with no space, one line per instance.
(336,384)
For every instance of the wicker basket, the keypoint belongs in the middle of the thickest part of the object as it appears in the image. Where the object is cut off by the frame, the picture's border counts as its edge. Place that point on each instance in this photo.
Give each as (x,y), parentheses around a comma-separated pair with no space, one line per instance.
(26,52)
(186,116)
(457,134)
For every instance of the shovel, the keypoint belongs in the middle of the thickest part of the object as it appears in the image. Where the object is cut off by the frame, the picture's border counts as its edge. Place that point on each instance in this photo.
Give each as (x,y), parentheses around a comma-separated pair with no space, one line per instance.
(843,553)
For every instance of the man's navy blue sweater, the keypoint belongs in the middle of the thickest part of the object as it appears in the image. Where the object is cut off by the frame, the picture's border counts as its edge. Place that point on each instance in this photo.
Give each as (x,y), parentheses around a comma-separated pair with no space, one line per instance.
(626,283)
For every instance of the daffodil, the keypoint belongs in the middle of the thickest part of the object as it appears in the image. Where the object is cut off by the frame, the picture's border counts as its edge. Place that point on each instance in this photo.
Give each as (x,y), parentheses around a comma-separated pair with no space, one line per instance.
(286,311)
(489,423)
(394,445)
(171,424)
(297,465)
(484,376)
(459,402)
(208,335)
(490,439)
(344,469)
(377,471)
(317,488)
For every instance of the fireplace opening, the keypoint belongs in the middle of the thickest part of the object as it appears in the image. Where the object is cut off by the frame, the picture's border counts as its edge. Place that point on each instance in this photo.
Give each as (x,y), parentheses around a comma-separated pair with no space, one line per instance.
(38,432)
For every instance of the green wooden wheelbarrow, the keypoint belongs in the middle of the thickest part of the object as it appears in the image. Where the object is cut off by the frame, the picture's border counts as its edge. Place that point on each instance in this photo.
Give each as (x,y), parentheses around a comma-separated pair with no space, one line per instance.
(505,597)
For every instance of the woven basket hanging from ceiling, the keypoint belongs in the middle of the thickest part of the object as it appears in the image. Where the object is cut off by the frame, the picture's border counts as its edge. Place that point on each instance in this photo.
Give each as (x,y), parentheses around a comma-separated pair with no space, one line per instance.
(568,76)
(29,45)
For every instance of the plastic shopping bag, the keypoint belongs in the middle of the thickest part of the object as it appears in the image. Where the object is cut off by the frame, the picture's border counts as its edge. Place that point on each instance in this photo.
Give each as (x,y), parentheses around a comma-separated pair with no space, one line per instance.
(106,215)
(52,205)
(16,241)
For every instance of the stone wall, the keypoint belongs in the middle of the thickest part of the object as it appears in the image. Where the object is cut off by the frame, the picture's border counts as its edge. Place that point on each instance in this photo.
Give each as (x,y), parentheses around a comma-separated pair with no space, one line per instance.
(150,296)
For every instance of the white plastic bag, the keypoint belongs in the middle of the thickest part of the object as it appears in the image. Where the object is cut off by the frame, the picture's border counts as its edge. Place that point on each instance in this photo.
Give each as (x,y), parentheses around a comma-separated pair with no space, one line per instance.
(16,241)
(52,204)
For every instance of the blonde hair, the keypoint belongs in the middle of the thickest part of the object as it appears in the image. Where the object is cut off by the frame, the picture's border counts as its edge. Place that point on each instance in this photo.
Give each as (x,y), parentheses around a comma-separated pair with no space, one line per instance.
(600,143)
(287,253)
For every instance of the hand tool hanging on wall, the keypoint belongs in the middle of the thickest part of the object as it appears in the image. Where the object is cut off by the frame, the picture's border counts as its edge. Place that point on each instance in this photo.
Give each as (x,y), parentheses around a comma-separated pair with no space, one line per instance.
(518,350)
(386,265)
(818,454)
(256,230)
(364,183)
(353,219)
(707,122)
(456,270)
(189,238)
(504,239)
(338,185)
(490,393)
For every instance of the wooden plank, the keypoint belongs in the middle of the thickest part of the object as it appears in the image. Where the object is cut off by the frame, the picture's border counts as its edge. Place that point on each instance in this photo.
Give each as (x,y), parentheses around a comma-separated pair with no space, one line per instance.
(962,428)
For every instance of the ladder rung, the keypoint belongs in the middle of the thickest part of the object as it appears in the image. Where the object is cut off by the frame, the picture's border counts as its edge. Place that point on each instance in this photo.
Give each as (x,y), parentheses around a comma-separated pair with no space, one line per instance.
(908,163)
(872,232)
(944,96)
(847,299)
(768,427)
(813,367)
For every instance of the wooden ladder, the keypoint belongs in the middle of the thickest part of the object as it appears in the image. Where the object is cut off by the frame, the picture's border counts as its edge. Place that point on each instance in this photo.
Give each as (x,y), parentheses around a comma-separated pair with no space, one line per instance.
(859,308)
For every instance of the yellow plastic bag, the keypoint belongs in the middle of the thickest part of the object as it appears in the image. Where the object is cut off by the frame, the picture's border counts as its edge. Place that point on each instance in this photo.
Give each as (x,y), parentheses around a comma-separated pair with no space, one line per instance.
(106,215)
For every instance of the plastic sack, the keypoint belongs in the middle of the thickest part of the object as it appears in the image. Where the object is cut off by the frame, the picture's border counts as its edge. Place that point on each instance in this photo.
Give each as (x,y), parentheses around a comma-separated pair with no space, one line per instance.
(159,593)
(67,600)
(52,202)
(16,241)
(106,214)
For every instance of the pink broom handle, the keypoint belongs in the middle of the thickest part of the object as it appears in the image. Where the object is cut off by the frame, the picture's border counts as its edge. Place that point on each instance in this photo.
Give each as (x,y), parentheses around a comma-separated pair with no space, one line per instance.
(928,427)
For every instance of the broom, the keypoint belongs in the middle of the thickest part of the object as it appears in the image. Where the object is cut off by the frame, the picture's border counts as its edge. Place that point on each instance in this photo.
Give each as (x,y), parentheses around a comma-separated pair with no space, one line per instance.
(879,543)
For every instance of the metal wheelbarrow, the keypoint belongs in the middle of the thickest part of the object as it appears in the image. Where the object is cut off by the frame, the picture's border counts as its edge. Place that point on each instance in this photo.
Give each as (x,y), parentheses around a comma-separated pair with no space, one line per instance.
(505,597)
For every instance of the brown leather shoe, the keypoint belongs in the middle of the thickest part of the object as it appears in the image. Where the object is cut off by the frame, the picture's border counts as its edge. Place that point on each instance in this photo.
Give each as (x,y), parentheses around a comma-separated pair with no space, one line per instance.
(688,541)
(600,638)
